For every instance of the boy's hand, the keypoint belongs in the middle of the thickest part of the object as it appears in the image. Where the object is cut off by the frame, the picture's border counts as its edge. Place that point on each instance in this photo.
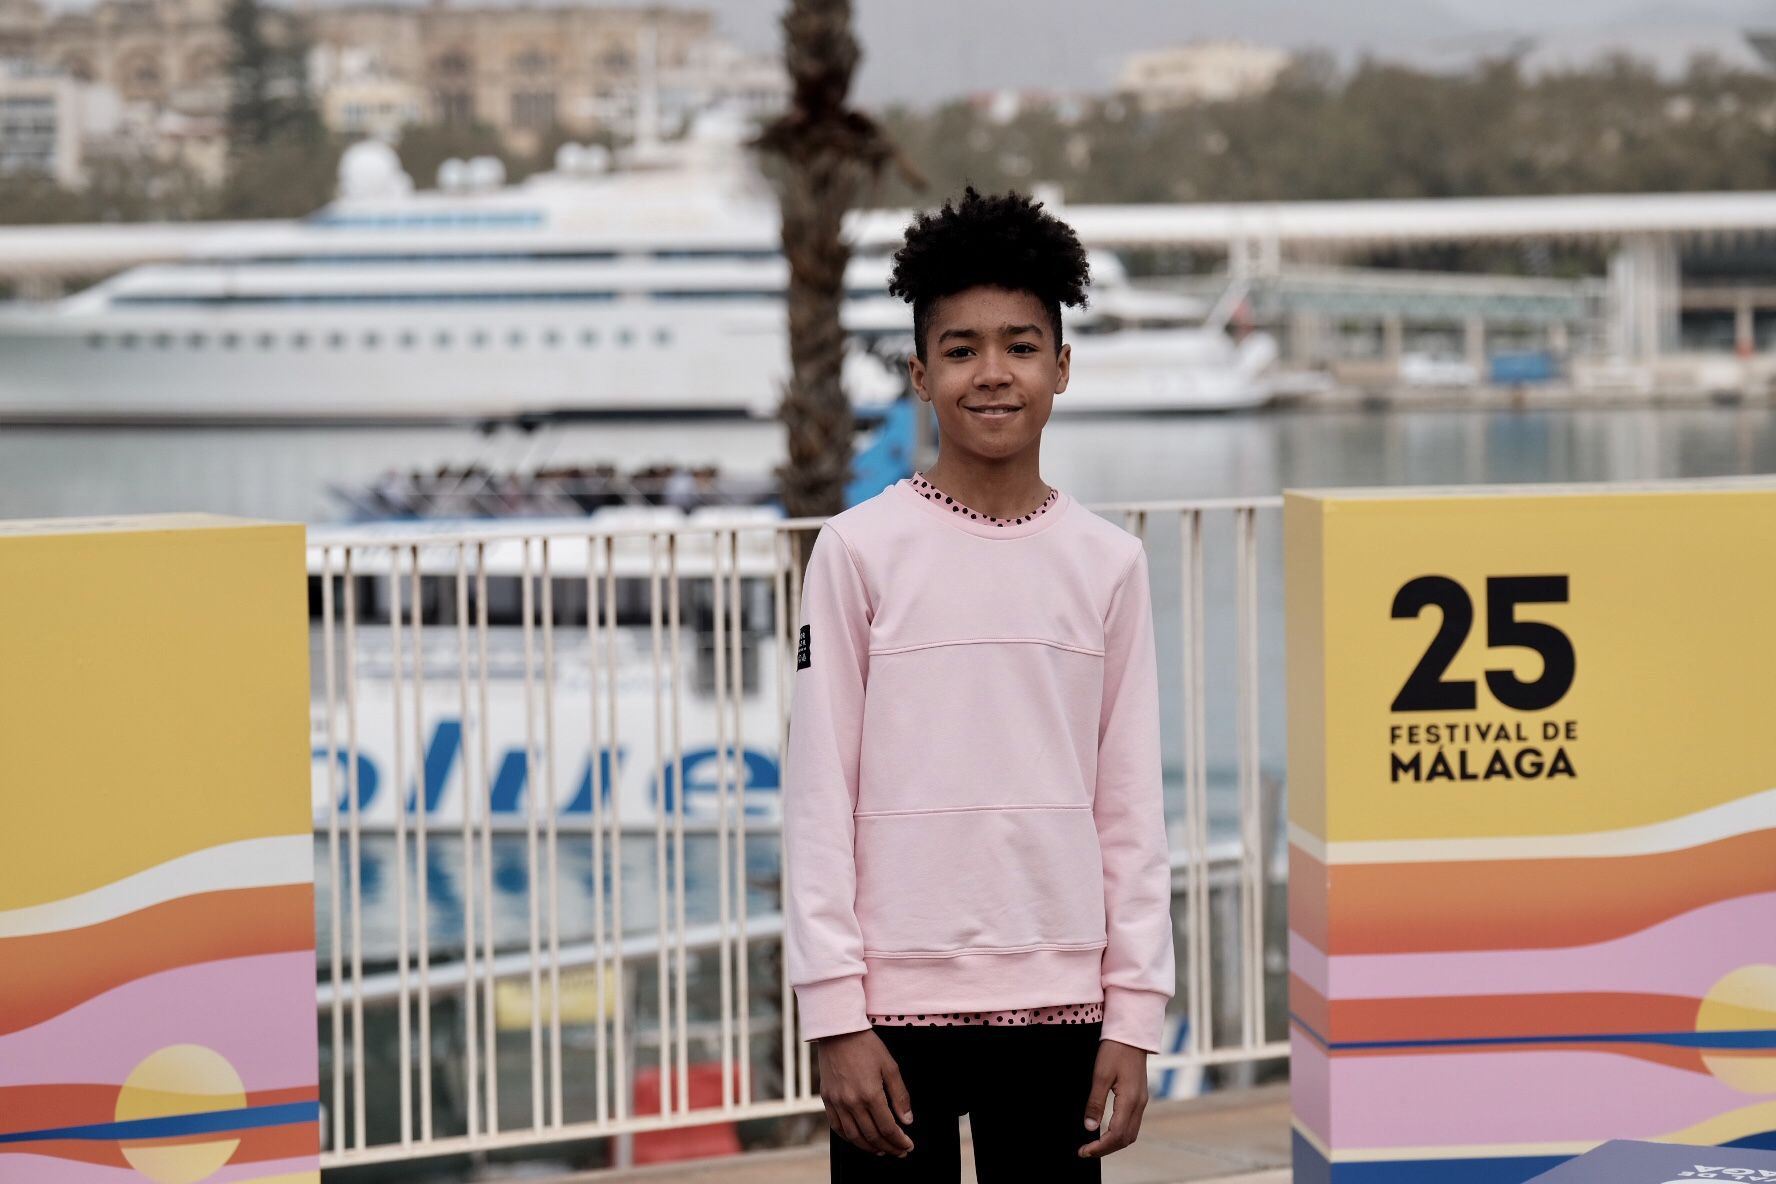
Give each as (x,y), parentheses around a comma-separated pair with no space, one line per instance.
(1121,1070)
(858,1080)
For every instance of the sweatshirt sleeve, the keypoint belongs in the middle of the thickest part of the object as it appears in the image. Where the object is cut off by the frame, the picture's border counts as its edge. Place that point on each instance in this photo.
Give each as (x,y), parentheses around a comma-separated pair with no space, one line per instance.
(1138,968)
(822,941)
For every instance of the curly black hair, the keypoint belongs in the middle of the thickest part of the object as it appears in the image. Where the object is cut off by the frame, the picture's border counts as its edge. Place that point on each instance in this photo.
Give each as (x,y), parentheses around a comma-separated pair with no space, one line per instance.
(1002,241)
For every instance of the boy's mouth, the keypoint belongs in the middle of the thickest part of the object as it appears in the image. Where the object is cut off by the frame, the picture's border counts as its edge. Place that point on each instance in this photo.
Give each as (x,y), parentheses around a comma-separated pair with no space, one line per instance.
(994,412)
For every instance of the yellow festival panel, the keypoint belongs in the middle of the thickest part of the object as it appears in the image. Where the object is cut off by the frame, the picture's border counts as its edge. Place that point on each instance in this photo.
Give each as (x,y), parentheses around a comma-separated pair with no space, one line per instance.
(156,853)
(1532,852)
(153,694)
(1668,613)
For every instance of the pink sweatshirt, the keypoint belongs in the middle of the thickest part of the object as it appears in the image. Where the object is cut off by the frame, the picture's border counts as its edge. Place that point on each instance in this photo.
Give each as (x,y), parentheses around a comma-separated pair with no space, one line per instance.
(972,814)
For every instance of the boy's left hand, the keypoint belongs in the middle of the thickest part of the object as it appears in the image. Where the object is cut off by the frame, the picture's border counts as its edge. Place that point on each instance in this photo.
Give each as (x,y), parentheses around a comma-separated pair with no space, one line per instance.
(1121,1070)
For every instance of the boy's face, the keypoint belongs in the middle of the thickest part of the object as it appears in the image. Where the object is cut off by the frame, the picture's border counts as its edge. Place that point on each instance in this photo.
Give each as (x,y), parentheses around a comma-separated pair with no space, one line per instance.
(990,347)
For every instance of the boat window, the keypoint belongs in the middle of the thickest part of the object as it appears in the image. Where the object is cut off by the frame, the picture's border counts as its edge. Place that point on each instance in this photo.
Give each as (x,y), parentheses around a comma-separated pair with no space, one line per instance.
(662,336)
(478,338)
(625,337)
(730,254)
(299,341)
(379,258)
(590,295)
(551,337)
(95,341)
(407,339)
(717,294)
(588,337)
(196,341)
(265,340)
(442,339)
(372,340)
(127,341)
(230,340)
(463,218)
(548,296)
(162,340)
(505,602)
(336,340)
(515,338)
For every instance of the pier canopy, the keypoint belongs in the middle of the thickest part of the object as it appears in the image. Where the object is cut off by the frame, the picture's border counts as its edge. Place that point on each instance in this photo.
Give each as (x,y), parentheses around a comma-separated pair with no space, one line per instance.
(1680,218)
(1594,218)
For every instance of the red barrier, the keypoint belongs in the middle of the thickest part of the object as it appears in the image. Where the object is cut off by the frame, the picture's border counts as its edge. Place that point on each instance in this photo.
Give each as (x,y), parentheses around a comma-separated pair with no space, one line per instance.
(695,1142)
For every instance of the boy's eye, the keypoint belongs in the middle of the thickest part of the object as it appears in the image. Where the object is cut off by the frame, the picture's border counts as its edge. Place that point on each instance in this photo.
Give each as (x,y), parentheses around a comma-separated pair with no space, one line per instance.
(959,352)
(1023,347)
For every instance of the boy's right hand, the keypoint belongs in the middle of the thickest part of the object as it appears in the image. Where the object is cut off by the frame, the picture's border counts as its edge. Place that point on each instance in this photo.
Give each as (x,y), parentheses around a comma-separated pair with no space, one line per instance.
(858,1081)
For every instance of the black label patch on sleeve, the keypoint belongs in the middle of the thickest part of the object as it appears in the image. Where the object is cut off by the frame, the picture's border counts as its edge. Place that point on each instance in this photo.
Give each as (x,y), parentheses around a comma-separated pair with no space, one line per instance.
(802,659)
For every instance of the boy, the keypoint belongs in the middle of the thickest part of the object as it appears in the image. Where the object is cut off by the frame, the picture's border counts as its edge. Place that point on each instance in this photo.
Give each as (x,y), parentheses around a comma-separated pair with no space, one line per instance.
(978,879)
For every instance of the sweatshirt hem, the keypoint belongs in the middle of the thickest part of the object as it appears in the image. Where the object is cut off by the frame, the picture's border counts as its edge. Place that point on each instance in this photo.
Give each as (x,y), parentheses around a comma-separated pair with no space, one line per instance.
(994,980)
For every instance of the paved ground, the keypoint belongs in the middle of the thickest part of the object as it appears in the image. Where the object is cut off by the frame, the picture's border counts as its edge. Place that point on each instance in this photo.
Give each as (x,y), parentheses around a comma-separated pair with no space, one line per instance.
(1234,1138)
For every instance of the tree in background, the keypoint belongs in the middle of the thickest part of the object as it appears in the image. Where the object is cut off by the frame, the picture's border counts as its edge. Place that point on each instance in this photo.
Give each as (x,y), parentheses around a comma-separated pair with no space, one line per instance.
(281,161)
(1375,131)
(828,152)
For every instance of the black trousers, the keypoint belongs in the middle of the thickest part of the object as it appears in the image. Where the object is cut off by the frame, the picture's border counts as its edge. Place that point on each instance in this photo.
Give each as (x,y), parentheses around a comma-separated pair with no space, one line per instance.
(1023,1088)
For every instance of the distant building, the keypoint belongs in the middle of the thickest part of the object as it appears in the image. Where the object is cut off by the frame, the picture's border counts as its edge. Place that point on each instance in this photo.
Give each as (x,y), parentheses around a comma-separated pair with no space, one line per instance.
(47,121)
(163,64)
(357,95)
(171,54)
(529,71)
(534,70)
(711,73)
(1202,72)
(719,72)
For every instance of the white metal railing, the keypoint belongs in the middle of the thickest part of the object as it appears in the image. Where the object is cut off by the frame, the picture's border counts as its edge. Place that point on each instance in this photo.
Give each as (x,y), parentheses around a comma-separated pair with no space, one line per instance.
(406,639)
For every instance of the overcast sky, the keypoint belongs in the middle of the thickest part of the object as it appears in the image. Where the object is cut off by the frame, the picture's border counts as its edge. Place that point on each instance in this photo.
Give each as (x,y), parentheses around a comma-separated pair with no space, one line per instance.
(929,49)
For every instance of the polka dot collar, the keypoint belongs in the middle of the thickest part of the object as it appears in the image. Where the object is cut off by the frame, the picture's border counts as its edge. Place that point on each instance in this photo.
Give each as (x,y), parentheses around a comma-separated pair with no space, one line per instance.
(930,492)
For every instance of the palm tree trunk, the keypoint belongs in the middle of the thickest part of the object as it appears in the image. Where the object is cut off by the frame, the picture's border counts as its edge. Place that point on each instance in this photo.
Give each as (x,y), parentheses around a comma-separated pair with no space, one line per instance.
(829,152)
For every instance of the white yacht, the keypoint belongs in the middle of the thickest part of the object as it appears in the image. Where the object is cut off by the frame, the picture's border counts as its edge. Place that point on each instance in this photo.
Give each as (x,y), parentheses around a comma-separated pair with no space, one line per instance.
(652,289)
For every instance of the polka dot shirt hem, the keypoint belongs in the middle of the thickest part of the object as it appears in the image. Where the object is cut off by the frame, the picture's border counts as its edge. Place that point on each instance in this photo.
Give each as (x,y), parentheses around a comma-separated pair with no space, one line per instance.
(1060,1013)
(926,489)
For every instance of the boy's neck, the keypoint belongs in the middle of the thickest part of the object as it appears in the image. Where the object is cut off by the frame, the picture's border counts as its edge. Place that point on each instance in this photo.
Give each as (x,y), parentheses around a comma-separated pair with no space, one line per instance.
(1001,491)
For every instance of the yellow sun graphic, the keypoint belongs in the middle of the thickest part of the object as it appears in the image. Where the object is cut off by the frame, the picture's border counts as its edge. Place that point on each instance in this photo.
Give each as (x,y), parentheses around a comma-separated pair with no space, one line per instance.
(180,1079)
(1742,1001)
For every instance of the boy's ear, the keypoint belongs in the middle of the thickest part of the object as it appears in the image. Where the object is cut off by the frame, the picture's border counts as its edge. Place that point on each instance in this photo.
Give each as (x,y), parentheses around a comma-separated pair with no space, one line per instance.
(916,372)
(1065,368)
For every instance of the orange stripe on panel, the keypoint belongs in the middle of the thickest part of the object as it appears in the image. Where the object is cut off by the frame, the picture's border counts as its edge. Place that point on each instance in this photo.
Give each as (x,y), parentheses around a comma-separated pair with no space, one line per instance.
(1309,1006)
(98,1151)
(1490,1017)
(1687,1059)
(46,1107)
(1536,903)
(1309,897)
(76,966)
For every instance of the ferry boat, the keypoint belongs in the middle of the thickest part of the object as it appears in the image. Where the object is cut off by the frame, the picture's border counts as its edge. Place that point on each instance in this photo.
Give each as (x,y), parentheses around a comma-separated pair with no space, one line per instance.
(653,289)
(399,717)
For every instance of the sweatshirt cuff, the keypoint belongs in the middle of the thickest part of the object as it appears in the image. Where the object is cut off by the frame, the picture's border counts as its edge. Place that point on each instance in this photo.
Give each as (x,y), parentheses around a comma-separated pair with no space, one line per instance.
(1134,1017)
(832,1007)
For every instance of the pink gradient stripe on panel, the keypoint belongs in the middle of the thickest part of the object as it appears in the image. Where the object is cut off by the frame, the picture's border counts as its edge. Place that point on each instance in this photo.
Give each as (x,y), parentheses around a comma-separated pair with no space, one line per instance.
(1470,1098)
(1683,956)
(258,1013)
(45,1169)
(1309,1098)
(1307,962)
